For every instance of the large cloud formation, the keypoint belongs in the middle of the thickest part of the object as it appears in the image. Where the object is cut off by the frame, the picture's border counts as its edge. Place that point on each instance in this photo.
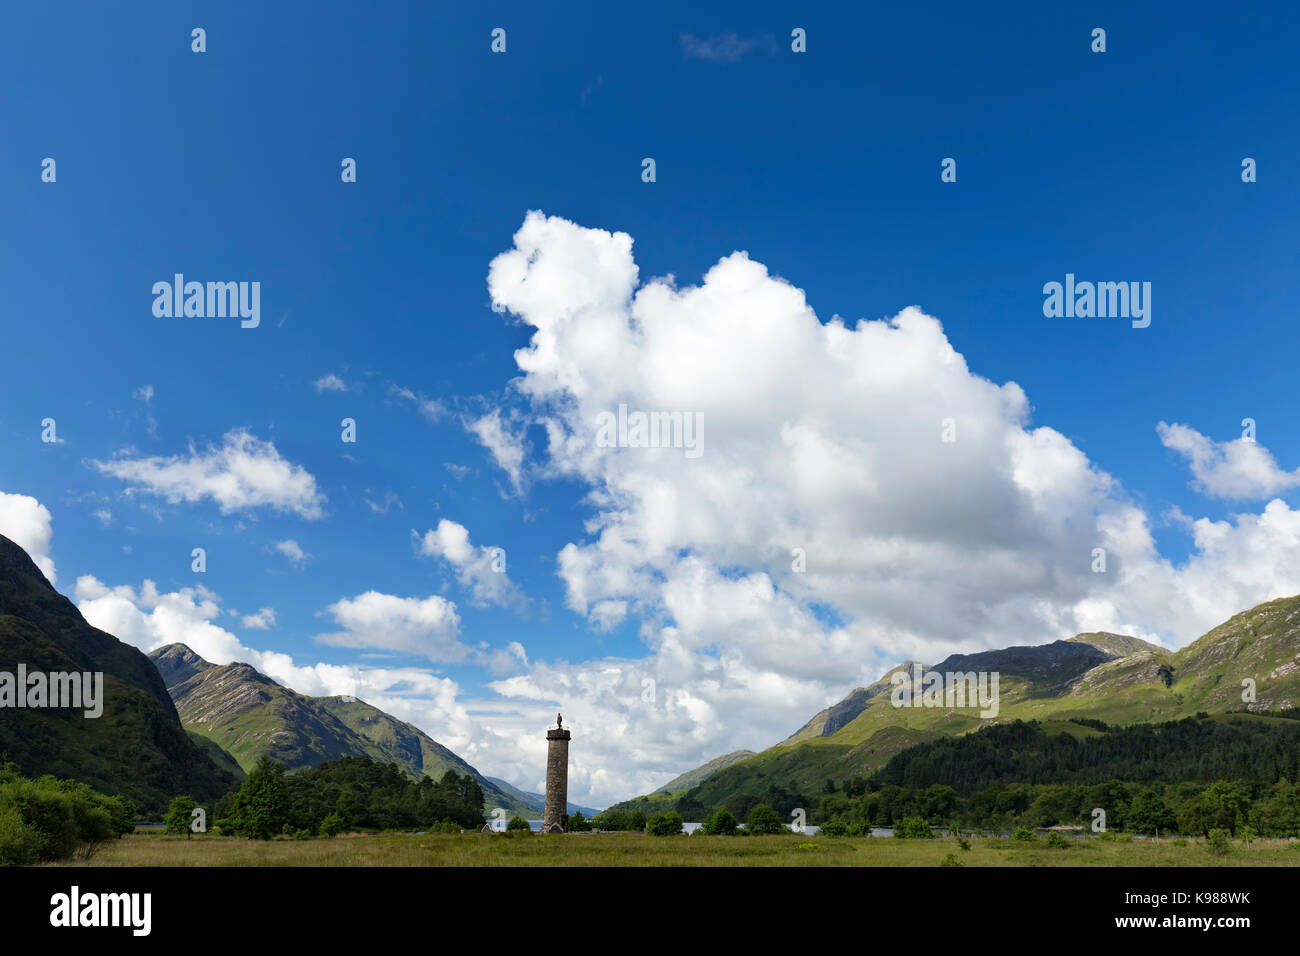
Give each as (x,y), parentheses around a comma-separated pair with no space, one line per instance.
(823,437)
(863,497)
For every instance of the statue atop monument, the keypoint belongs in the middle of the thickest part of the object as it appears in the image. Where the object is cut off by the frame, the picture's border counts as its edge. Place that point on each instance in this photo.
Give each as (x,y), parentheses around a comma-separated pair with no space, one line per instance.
(559,721)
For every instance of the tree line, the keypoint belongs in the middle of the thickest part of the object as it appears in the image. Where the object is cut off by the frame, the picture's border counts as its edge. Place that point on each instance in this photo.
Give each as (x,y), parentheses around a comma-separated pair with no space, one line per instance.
(1189,776)
(1194,749)
(350,793)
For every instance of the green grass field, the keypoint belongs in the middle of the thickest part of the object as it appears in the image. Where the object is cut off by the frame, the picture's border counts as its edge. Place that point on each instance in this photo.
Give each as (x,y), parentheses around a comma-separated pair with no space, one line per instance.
(622,849)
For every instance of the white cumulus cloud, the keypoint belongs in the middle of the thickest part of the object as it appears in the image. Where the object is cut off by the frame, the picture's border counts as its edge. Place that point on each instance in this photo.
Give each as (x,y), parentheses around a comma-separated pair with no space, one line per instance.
(427,626)
(263,620)
(241,474)
(480,570)
(1238,470)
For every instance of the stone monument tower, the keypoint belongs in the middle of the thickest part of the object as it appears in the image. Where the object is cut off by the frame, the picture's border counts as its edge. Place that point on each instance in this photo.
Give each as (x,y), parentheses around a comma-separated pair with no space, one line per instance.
(557,778)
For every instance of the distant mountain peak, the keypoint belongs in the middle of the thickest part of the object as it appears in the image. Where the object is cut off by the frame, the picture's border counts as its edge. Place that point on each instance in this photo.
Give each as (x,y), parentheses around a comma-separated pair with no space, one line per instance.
(177,663)
(1119,645)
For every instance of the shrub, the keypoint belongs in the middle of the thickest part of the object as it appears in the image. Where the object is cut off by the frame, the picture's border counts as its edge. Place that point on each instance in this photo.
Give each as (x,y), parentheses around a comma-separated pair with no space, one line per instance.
(518,823)
(1217,842)
(445,826)
(331,826)
(763,819)
(951,860)
(835,828)
(579,824)
(721,823)
(914,828)
(48,819)
(20,842)
(619,821)
(1024,835)
(1057,842)
(963,843)
(665,824)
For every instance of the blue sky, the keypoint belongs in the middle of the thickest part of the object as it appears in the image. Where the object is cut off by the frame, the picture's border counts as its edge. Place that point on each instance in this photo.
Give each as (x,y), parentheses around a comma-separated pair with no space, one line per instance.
(823,166)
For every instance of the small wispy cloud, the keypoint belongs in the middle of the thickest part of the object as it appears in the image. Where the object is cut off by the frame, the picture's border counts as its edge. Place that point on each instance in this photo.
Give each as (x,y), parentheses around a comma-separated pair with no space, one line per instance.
(261,621)
(144,393)
(330,383)
(430,408)
(381,506)
(504,440)
(725,47)
(292,551)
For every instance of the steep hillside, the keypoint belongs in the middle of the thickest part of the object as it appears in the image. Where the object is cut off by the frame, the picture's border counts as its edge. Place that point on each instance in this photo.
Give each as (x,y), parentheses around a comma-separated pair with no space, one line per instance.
(1262,644)
(137,747)
(693,778)
(247,714)
(837,715)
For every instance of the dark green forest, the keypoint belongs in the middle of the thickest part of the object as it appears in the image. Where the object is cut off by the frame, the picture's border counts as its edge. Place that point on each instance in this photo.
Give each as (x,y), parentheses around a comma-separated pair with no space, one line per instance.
(1260,751)
(351,793)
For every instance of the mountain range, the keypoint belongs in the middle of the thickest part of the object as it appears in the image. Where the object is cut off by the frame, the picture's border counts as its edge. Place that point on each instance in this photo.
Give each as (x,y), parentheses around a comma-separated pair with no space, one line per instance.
(247,714)
(1249,662)
(174,723)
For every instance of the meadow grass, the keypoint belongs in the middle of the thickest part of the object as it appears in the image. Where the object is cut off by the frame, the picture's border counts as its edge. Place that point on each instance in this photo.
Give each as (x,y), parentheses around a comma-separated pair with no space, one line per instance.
(626,849)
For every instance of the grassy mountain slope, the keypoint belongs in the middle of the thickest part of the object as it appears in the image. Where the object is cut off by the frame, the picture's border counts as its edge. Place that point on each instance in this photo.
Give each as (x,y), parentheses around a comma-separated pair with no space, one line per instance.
(247,714)
(667,796)
(693,778)
(1111,677)
(138,746)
